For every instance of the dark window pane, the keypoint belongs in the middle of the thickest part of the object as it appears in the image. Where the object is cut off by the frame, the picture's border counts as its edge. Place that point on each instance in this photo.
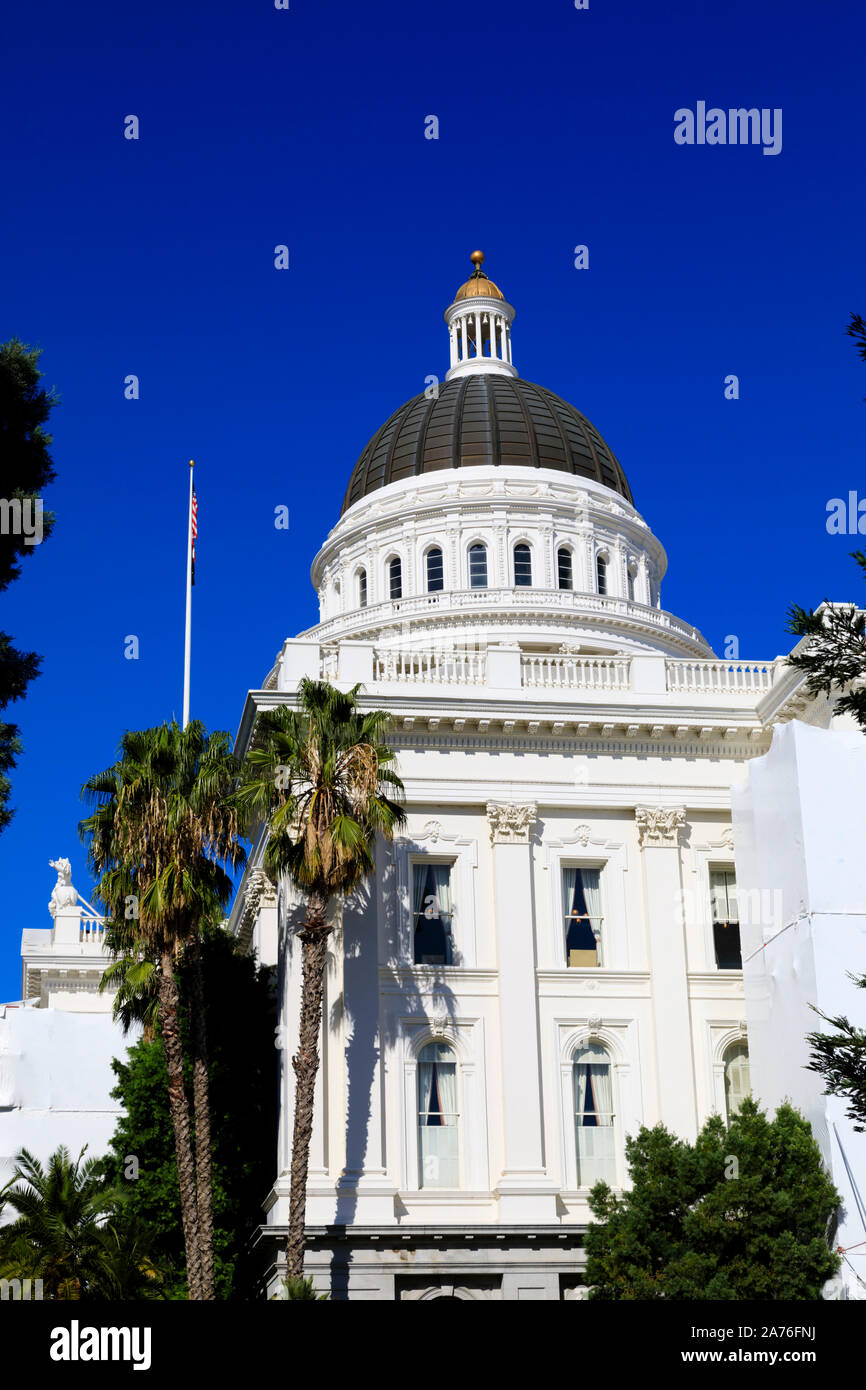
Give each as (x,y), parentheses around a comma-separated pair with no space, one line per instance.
(435,574)
(395,578)
(726,936)
(522,566)
(563,561)
(478,567)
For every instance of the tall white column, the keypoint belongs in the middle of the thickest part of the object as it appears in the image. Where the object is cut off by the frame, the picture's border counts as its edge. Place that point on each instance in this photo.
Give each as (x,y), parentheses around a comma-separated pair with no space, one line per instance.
(658,830)
(524,1189)
(477,334)
(452,334)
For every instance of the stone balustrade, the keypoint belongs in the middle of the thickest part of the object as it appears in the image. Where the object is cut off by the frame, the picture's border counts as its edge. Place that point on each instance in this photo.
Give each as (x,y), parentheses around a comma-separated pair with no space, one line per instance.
(505,666)
(576,672)
(437,607)
(716,677)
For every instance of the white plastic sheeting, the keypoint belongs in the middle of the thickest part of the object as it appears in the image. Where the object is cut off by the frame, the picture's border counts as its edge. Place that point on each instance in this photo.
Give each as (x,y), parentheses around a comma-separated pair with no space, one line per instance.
(56,1082)
(800,849)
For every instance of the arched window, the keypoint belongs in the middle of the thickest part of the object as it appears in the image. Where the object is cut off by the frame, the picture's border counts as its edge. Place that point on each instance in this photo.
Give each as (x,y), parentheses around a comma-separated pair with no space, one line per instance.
(435,571)
(395,577)
(564,568)
(601,573)
(594,1115)
(522,566)
(362,588)
(478,566)
(737,1083)
(631,577)
(438,1118)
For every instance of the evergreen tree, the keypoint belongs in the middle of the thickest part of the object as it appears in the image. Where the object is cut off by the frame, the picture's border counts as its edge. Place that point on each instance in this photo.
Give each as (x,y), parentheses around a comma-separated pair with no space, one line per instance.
(241,1023)
(835,656)
(743,1213)
(26,469)
(840,1058)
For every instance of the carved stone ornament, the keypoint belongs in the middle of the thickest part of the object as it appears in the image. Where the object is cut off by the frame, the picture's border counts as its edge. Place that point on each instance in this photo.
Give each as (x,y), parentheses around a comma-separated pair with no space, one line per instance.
(510,824)
(659,825)
(582,834)
(593,1024)
(728,837)
(432,830)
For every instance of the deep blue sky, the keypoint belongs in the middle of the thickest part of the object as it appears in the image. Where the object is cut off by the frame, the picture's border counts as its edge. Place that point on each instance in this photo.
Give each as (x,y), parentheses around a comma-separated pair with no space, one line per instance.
(306,127)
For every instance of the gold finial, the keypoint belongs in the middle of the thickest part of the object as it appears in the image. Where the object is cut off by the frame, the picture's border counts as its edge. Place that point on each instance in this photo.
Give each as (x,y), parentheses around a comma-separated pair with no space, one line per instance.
(477,259)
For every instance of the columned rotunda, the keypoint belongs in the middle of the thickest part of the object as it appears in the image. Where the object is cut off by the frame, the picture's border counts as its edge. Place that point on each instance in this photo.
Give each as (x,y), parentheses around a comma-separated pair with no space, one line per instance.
(549,954)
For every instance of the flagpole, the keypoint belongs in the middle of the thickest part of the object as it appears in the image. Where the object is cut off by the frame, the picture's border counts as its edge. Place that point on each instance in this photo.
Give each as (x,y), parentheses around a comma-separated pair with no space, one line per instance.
(188,642)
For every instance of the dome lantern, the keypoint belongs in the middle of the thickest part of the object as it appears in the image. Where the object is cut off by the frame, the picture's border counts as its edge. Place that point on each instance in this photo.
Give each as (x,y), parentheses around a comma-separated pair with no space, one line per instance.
(479,325)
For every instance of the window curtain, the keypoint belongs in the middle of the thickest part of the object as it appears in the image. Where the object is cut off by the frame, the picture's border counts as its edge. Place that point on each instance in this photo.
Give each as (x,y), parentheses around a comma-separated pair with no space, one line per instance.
(419,889)
(581,899)
(593,1090)
(723,892)
(431,893)
(437,1119)
(593,1116)
(442,891)
(737,1079)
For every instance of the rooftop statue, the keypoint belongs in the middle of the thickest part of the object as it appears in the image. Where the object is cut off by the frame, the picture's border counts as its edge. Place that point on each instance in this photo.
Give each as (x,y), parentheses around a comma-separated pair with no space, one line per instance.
(63,894)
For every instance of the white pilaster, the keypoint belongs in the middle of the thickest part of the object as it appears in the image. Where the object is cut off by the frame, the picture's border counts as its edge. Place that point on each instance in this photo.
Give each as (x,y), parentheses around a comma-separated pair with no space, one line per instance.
(524,1189)
(658,830)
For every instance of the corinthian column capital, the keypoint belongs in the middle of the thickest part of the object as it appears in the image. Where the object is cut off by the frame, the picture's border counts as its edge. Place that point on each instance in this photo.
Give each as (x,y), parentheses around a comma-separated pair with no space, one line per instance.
(659,826)
(510,824)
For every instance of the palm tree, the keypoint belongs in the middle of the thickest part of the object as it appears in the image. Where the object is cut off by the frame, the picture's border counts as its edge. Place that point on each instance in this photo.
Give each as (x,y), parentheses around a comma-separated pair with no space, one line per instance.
(69,1231)
(134,978)
(162,836)
(320,776)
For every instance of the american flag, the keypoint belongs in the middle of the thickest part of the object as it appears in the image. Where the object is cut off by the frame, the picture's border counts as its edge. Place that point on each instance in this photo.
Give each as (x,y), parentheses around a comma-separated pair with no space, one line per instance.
(194,530)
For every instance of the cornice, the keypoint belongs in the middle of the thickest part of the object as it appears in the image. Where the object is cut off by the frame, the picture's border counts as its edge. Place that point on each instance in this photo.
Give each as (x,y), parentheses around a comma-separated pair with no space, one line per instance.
(465,720)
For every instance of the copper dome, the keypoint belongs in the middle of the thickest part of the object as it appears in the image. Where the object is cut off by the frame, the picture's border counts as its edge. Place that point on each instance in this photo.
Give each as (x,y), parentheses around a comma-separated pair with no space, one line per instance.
(483,419)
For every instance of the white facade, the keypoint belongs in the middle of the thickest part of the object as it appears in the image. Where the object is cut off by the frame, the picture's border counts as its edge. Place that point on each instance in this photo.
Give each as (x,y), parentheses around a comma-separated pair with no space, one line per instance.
(546,735)
(58,1040)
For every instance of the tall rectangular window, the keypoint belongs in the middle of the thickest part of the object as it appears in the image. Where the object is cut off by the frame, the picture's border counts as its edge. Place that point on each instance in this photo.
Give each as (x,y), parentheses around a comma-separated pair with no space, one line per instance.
(563,568)
(438,1118)
(593,1116)
(435,571)
(581,906)
(395,578)
(726,919)
(478,566)
(431,892)
(522,566)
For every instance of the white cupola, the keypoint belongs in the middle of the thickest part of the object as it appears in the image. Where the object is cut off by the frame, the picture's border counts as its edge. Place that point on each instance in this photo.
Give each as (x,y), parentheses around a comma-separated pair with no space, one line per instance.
(479,323)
